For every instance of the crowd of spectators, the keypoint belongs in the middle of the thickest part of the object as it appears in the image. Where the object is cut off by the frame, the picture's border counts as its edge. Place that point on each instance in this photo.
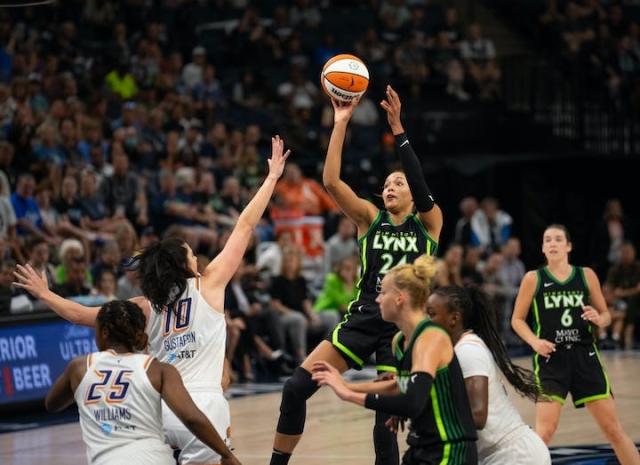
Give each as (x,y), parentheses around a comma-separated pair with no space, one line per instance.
(600,41)
(125,122)
(122,122)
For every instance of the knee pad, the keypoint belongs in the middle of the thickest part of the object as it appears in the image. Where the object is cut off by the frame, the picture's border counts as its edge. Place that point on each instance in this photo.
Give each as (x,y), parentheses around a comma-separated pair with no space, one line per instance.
(293,408)
(385,442)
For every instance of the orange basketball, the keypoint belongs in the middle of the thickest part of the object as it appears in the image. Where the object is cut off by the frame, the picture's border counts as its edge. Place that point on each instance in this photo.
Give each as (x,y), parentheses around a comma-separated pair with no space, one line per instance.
(344,77)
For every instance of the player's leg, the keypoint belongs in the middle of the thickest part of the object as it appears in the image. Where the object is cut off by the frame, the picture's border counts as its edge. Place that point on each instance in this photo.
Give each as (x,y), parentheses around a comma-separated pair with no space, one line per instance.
(592,388)
(605,414)
(553,377)
(547,418)
(385,442)
(295,393)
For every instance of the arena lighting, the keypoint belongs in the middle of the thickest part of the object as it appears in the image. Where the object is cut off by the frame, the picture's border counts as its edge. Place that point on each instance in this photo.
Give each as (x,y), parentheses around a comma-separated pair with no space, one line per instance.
(23,3)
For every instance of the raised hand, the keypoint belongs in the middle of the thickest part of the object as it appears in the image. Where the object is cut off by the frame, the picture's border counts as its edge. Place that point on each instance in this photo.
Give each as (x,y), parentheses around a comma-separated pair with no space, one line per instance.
(392,106)
(278,158)
(28,279)
(342,111)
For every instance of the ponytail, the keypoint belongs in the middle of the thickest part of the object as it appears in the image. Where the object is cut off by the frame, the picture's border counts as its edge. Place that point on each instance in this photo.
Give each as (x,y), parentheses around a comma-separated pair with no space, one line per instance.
(479,316)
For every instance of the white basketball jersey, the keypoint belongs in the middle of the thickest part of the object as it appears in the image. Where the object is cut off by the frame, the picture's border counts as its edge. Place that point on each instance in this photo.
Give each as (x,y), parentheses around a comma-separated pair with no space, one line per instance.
(119,407)
(502,417)
(192,337)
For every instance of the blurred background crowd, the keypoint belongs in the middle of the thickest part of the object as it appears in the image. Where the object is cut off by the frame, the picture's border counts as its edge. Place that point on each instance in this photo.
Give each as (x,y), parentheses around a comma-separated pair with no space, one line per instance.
(125,122)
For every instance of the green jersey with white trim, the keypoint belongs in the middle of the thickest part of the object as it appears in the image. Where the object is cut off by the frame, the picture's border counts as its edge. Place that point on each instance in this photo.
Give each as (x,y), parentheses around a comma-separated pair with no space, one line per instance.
(384,246)
(556,308)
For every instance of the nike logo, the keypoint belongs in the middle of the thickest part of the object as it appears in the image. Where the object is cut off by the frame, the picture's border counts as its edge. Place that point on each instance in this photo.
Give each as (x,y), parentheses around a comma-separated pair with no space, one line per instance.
(404,143)
(360,308)
(548,284)
(413,378)
(385,224)
(591,354)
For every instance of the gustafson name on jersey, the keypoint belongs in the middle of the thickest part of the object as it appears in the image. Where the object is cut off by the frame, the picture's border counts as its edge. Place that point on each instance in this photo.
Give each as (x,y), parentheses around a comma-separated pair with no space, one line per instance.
(565,302)
(178,345)
(395,241)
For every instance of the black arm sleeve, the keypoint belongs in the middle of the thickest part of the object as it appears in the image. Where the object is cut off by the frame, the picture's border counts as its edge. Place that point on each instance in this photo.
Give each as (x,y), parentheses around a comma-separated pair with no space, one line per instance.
(413,171)
(408,405)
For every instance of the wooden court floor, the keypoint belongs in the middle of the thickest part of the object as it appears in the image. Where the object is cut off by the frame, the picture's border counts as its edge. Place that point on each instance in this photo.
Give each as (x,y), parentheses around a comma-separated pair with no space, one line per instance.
(336,432)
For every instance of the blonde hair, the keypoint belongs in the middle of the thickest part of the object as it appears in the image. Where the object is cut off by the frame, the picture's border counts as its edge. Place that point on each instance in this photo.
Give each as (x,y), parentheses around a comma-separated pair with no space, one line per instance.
(416,279)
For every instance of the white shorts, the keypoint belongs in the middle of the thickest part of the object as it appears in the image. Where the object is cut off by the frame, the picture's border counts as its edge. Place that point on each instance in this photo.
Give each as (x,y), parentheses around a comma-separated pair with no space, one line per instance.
(193,451)
(143,452)
(523,447)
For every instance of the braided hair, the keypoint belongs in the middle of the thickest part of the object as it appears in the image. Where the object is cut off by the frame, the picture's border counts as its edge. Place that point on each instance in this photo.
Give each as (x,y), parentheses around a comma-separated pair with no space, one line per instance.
(163,271)
(124,323)
(479,316)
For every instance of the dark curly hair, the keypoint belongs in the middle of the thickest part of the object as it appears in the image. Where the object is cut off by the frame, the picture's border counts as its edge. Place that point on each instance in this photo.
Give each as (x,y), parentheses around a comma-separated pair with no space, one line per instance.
(479,316)
(124,323)
(163,272)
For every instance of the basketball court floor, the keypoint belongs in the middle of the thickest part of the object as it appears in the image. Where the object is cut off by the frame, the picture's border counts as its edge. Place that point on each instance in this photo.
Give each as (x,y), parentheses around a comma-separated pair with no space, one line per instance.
(338,433)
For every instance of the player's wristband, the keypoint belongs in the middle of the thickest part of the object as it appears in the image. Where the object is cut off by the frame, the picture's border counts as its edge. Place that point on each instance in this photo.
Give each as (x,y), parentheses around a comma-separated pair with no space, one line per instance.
(420,191)
(410,404)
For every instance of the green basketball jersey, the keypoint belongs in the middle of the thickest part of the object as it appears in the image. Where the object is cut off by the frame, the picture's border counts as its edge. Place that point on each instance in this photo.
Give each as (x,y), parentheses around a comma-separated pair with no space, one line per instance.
(386,245)
(447,417)
(556,308)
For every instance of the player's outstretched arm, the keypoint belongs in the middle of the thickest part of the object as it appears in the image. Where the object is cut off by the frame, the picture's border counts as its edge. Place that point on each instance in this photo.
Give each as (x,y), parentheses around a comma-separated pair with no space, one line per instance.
(36,284)
(179,401)
(387,386)
(432,350)
(429,212)
(360,211)
(220,271)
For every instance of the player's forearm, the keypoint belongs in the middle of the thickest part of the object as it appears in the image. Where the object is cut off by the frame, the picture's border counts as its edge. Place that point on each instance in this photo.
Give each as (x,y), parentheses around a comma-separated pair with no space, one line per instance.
(331,171)
(522,329)
(70,310)
(412,168)
(375,387)
(255,209)
(605,319)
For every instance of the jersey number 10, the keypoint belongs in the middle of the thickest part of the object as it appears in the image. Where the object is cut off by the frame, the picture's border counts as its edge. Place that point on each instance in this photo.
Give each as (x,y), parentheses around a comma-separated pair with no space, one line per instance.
(178,317)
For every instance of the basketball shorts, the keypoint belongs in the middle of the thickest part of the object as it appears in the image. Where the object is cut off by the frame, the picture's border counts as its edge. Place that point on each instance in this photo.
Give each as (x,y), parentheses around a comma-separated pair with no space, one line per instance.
(143,452)
(361,333)
(522,446)
(454,453)
(192,450)
(575,369)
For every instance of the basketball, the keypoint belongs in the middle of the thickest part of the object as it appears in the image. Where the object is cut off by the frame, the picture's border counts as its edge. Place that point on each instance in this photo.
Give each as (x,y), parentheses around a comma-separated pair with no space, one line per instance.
(344,77)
